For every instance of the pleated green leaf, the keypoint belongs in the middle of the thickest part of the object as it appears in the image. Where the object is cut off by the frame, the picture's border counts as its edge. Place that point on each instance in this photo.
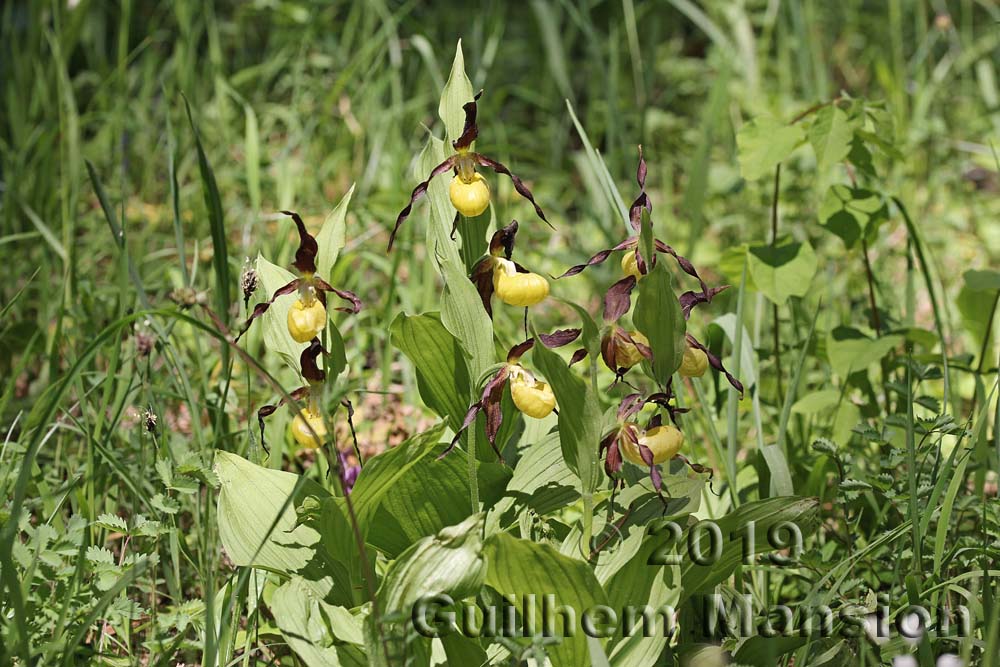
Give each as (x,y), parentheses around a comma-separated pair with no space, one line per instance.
(442,374)
(332,236)
(450,562)
(521,568)
(658,316)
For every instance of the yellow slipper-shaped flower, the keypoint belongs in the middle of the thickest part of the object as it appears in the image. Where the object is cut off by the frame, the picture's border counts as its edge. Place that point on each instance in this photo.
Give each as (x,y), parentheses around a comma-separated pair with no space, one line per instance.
(630,266)
(469,198)
(694,364)
(311,439)
(663,441)
(518,289)
(532,397)
(306,321)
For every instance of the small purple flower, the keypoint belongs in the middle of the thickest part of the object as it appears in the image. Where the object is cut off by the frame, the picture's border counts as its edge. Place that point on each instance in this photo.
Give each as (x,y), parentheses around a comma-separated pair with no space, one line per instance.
(348,472)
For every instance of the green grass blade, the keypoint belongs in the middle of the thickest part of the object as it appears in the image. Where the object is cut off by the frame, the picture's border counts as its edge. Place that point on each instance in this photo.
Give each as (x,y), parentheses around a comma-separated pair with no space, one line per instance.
(213,204)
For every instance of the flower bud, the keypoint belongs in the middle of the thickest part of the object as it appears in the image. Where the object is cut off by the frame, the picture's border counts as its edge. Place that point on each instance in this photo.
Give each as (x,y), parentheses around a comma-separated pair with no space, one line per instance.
(518,289)
(306,321)
(619,352)
(663,441)
(630,265)
(532,397)
(301,425)
(694,364)
(469,198)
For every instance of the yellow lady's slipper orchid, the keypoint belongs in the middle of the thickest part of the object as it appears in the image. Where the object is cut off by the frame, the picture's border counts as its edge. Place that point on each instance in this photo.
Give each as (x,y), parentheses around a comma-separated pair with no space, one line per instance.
(307,316)
(518,289)
(301,429)
(469,192)
(532,397)
(663,441)
(471,197)
(306,321)
(626,354)
(694,364)
(630,266)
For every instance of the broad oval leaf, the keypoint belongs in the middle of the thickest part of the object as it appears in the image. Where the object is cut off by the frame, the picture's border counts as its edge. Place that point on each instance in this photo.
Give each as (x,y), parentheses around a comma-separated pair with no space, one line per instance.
(983,279)
(850,351)
(579,415)
(450,562)
(442,374)
(782,270)
(851,213)
(658,316)
(406,493)
(308,624)
(542,480)
(275,321)
(830,135)
(764,143)
(521,568)
(257,520)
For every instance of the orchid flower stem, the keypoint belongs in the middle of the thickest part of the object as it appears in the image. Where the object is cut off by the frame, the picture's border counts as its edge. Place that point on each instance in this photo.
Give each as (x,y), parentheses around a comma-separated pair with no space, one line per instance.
(986,343)
(774,241)
(354,434)
(876,320)
(732,409)
(473,480)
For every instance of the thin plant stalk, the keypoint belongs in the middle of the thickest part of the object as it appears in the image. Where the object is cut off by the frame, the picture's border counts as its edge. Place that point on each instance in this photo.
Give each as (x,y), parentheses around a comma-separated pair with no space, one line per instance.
(777,320)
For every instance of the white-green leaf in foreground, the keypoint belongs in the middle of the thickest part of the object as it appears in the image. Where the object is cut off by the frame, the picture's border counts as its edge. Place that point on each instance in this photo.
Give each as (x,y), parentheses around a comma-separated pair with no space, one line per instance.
(764,143)
(450,562)
(332,236)
(257,521)
(318,632)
